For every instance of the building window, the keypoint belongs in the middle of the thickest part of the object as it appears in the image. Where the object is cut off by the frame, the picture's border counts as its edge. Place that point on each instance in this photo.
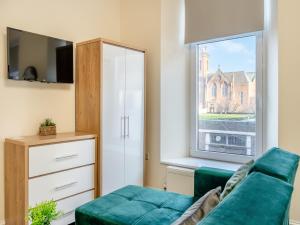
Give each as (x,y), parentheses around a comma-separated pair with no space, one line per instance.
(242,98)
(227,128)
(214,90)
(225,90)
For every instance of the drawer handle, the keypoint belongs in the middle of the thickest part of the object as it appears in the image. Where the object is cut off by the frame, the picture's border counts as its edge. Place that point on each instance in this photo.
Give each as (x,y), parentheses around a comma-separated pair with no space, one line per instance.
(66,157)
(67,214)
(65,186)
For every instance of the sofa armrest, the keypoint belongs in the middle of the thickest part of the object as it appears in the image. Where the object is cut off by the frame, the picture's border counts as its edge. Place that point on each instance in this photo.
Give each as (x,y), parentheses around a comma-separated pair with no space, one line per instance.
(278,163)
(207,178)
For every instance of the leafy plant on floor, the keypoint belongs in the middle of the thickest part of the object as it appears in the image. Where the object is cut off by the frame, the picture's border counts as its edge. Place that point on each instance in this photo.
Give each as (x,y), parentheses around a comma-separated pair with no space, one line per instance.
(47,123)
(43,213)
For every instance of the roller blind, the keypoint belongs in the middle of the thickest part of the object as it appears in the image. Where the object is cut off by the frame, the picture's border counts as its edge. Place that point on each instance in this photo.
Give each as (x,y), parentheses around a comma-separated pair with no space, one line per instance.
(211,19)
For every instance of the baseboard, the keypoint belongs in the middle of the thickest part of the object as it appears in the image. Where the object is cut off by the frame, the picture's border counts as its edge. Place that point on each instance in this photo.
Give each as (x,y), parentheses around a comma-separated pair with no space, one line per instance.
(294,222)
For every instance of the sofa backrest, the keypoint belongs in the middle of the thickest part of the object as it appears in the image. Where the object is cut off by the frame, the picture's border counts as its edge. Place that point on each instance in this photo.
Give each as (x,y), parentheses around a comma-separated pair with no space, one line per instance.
(281,164)
(258,200)
(207,178)
(278,163)
(263,197)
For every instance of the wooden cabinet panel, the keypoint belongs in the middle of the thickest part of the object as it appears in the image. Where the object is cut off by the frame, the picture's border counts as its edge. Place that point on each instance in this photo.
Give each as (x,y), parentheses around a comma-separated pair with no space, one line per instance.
(21,191)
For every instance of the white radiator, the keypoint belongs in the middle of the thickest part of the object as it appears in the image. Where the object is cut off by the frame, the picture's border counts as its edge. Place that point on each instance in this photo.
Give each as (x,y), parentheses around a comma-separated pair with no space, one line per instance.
(180,180)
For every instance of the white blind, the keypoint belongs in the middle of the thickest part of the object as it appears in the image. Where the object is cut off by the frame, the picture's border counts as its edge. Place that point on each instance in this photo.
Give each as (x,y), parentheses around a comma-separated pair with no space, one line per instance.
(210,19)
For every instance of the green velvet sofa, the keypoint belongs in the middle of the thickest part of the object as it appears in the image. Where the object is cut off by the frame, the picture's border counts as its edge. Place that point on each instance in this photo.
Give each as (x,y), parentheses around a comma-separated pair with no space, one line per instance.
(263,198)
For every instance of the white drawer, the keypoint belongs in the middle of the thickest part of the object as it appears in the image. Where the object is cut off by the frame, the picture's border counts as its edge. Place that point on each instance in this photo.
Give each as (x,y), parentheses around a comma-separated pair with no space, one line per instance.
(61,185)
(56,157)
(68,206)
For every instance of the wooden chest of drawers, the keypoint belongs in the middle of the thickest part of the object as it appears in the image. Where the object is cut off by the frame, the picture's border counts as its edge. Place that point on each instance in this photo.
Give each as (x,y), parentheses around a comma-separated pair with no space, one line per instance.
(61,167)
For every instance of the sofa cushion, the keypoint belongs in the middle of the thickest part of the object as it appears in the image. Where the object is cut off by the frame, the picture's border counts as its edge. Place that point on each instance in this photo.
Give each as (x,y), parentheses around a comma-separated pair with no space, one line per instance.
(236,178)
(200,208)
(278,163)
(259,199)
(134,205)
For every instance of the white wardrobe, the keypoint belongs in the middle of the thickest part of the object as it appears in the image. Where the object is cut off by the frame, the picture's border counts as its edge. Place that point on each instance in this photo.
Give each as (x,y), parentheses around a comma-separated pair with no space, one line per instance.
(121,110)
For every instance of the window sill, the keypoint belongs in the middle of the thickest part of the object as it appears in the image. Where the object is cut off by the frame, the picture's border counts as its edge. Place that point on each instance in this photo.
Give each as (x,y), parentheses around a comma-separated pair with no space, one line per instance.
(194,163)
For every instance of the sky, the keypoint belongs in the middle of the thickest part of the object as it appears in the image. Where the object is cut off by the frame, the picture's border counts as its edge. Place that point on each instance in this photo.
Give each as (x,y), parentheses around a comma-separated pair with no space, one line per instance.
(232,55)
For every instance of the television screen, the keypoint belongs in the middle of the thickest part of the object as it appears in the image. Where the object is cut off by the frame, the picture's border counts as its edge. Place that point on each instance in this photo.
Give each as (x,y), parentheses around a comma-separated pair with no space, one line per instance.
(35,57)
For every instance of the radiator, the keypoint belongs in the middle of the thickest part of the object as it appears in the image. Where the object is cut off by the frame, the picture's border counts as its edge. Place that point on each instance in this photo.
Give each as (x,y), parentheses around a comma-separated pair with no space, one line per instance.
(180,180)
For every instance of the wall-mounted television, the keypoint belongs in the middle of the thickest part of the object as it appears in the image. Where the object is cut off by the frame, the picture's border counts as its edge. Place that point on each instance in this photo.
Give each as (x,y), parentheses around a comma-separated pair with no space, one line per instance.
(34,57)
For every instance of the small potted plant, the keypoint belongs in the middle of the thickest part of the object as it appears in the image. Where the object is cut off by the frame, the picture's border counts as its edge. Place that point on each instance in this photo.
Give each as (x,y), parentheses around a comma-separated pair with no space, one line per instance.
(43,213)
(48,127)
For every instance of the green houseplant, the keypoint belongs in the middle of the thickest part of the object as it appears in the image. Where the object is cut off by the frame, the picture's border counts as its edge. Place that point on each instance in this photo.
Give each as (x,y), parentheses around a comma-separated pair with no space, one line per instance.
(43,213)
(48,127)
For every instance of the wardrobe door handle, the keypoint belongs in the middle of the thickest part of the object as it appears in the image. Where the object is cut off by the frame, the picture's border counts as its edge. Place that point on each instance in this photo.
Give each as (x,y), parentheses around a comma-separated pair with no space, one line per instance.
(122,125)
(127,130)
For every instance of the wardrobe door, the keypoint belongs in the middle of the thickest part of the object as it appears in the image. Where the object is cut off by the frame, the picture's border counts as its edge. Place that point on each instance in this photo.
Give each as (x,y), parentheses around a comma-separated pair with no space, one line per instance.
(134,118)
(113,101)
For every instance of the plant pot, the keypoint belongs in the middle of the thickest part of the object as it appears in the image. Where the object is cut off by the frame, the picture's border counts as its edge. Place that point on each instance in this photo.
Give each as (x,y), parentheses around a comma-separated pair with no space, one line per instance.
(49,130)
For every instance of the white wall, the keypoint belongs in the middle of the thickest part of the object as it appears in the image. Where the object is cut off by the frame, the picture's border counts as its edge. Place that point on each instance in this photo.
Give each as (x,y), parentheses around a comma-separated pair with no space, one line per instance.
(270,76)
(175,82)
(22,104)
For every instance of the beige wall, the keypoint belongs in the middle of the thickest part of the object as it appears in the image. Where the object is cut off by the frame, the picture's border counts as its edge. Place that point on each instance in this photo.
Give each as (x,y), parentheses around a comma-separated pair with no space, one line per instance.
(289,78)
(22,104)
(140,25)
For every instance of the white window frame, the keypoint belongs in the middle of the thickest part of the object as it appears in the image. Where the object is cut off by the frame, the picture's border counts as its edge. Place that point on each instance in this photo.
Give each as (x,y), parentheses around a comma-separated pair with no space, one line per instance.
(194,152)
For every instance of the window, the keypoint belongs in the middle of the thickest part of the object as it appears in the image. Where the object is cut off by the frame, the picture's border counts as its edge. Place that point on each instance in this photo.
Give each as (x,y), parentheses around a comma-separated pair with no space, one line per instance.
(225,90)
(242,98)
(228,125)
(214,90)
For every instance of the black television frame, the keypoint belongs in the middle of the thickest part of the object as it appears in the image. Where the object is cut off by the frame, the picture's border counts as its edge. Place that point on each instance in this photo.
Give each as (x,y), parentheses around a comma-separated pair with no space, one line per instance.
(71,81)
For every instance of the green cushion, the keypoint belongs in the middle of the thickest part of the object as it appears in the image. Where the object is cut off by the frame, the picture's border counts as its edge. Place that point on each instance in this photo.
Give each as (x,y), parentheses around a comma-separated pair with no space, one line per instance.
(259,200)
(206,179)
(278,163)
(134,205)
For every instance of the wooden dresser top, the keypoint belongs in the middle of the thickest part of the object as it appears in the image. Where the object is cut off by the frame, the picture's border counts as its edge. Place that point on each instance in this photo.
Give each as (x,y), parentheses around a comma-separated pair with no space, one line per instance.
(51,139)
